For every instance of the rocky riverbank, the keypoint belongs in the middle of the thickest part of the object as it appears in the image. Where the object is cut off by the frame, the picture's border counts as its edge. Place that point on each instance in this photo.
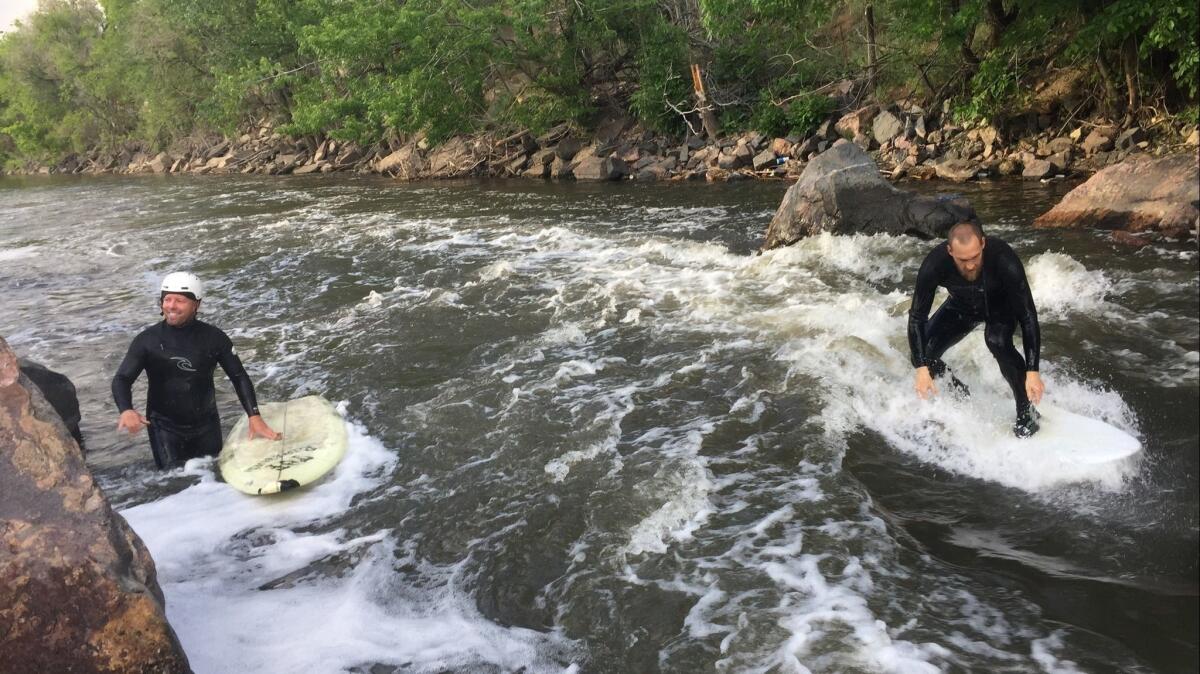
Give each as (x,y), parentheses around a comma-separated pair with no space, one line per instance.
(905,141)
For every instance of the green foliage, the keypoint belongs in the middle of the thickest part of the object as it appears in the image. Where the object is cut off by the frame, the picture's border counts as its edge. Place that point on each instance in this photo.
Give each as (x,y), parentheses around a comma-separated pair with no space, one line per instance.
(78,76)
(802,115)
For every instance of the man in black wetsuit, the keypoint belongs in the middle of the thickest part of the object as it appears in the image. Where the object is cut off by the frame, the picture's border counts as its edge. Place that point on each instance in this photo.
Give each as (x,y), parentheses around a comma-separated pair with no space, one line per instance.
(987,284)
(179,355)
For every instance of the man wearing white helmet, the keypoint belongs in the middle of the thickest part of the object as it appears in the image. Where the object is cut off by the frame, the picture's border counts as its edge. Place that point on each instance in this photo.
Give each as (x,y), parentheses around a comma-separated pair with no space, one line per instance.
(179,355)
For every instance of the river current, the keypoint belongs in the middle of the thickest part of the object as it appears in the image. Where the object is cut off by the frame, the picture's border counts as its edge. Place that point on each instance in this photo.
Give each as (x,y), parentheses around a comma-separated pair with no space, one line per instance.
(592,431)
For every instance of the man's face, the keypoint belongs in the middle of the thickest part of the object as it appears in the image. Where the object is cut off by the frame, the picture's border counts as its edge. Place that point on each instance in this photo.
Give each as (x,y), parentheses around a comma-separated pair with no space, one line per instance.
(968,257)
(178,309)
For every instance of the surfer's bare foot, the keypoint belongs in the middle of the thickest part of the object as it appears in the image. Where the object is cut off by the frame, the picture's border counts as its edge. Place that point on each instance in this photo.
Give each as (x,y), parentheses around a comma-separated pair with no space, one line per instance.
(1027,423)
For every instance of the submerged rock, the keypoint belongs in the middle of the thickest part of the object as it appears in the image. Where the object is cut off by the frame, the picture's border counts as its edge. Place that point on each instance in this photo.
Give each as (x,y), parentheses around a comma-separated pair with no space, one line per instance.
(59,392)
(78,590)
(1138,195)
(842,192)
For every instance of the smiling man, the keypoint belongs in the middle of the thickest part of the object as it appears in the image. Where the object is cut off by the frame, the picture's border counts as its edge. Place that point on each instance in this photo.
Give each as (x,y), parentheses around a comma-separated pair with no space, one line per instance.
(179,355)
(987,284)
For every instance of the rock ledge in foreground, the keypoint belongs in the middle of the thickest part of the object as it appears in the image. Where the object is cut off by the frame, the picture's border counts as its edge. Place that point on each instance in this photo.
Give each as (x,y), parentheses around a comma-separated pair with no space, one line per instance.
(78,590)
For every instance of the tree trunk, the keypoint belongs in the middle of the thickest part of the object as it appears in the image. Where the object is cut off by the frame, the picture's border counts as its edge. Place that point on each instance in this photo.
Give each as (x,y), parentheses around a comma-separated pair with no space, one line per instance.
(998,21)
(872,56)
(712,128)
(1110,87)
(1129,60)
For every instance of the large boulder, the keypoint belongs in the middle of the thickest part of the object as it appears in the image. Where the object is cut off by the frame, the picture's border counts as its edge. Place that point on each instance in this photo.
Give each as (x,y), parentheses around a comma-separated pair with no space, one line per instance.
(855,123)
(1099,140)
(958,170)
(592,167)
(161,163)
(1137,195)
(405,163)
(78,590)
(841,191)
(59,391)
(452,159)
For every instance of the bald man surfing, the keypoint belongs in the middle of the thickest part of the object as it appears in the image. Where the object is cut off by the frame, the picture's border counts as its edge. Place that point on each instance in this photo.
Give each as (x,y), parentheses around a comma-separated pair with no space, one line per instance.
(987,285)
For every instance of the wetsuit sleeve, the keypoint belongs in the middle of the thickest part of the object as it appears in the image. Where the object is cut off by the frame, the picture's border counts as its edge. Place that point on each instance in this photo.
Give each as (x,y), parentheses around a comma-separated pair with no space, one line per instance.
(232,365)
(128,372)
(1020,299)
(918,314)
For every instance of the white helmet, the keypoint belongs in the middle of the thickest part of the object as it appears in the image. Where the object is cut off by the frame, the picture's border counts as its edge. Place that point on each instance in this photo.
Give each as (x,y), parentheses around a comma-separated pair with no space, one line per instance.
(184,283)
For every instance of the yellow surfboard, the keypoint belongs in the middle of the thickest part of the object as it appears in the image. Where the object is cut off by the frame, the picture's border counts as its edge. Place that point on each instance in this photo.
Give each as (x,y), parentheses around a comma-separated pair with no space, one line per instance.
(314,440)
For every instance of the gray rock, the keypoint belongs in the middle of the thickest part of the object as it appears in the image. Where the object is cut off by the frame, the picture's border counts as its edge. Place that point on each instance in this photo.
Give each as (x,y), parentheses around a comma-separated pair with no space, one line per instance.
(886,126)
(1130,138)
(730,161)
(1036,169)
(452,159)
(958,170)
(1059,161)
(1060,144)
(601,168)
(919,127)
(161,163)
(806,148)
(826,131)
(841,191)
(1008,167)
(517,165)
(561,169)
(855,123)
(405,163)
(567,148)
(764,160)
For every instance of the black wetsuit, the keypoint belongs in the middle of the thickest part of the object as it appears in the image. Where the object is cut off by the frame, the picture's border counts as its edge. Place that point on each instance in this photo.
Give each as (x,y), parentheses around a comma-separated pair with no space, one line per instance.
(999,298)
(181,404)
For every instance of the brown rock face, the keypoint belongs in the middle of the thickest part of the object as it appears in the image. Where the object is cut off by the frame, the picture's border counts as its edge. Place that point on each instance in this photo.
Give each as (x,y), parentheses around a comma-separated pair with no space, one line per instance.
(78,591)
(1137,195)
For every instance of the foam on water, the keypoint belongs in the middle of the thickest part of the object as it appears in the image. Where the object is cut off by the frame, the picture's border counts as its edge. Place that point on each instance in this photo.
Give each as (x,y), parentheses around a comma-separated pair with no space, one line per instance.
(725,359)
(255,584)
(11,254)
(1062,285)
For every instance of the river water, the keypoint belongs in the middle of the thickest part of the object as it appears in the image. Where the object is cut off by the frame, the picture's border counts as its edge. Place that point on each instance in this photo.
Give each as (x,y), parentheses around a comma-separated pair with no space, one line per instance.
(593,432)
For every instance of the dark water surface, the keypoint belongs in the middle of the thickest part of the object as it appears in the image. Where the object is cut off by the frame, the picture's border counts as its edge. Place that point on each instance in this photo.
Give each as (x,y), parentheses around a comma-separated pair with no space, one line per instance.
(594,432)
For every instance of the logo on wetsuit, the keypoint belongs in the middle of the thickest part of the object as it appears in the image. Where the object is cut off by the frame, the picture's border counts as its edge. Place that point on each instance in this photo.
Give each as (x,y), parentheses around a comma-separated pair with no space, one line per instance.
(183,363)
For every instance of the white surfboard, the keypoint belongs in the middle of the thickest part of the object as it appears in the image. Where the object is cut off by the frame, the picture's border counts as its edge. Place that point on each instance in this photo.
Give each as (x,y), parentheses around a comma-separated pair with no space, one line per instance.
(314,440)
(1074,438)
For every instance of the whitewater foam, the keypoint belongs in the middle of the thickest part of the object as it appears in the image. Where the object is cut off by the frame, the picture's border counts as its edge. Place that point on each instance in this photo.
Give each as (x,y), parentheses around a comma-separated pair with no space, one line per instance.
(256,584)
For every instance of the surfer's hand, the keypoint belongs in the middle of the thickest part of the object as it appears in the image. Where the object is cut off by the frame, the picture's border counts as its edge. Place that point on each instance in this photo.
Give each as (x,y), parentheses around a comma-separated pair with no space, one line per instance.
(924,385)
(1034,388)
(260,429)
(131,421)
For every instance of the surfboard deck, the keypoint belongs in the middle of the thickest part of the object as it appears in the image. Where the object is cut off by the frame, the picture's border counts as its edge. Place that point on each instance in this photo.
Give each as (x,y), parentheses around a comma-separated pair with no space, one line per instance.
(314,440)
(1074,438)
